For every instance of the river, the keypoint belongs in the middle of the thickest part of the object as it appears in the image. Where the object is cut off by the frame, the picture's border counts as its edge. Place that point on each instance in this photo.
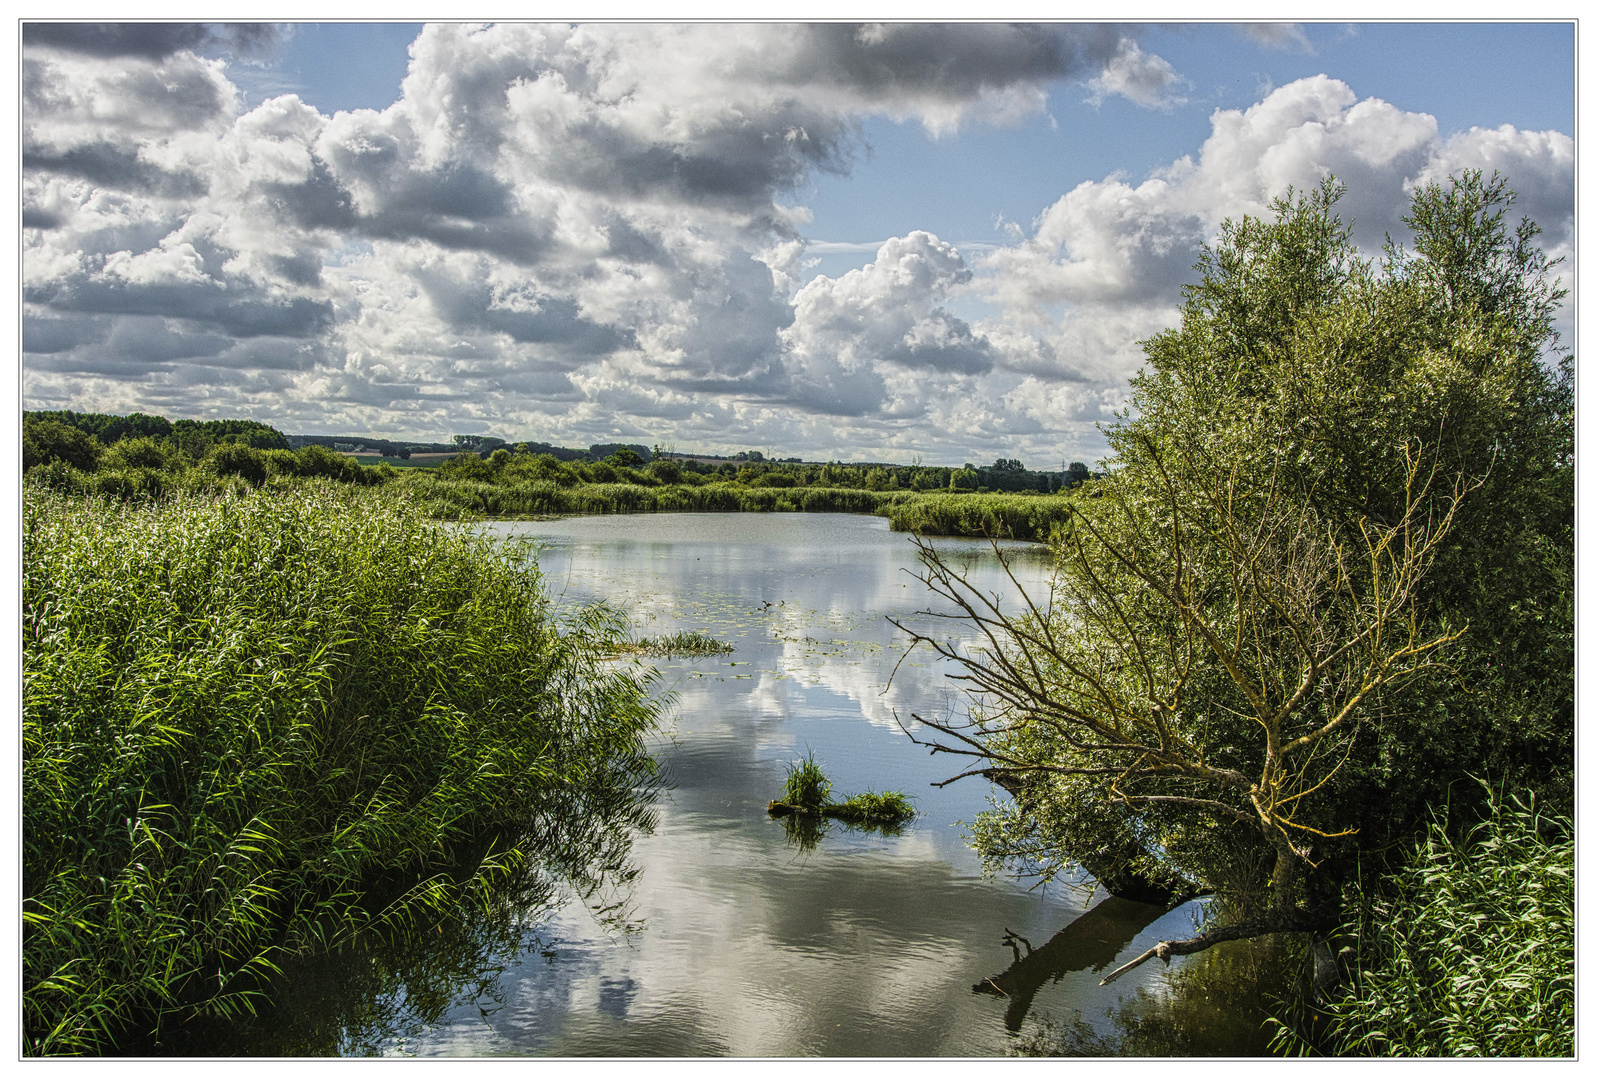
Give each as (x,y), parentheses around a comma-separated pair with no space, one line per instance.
(724,936)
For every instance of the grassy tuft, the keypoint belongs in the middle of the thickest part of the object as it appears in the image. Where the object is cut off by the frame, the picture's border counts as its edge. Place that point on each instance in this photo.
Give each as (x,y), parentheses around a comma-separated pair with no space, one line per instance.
(806,786)
(805,795)
(886,808)
(681,643)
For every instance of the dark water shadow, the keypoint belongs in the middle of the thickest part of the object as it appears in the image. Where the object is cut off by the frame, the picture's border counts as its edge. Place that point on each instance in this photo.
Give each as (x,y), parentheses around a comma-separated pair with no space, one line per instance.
(1091,941)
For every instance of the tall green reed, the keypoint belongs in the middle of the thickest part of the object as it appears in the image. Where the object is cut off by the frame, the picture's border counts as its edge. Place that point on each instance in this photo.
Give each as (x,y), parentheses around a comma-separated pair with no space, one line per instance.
(1007,517)
(1469,950)
(261,724)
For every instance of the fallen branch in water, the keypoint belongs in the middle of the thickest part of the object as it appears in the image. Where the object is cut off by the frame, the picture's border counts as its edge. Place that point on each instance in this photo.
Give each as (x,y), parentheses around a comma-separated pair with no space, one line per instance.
(1284,922)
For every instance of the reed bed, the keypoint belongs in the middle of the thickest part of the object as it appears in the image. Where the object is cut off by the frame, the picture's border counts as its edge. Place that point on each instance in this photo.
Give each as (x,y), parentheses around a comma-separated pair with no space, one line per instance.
(681,643)
(1468,951)
(263,724)
(1001,517)
(453,499)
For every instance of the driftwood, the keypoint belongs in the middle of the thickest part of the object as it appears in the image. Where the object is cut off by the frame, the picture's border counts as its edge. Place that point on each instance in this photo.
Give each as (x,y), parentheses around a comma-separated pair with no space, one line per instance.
(1276,922)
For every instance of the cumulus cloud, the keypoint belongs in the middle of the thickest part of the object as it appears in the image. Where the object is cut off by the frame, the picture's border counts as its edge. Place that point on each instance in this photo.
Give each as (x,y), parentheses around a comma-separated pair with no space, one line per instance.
(150,41)
(1148,80)
(584,232)
(1103,266)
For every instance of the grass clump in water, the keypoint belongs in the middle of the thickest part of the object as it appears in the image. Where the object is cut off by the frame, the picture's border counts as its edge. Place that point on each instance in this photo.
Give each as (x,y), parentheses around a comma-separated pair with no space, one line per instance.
(264,725)
(806,787)
(807,791)
(681,643)
(871,808)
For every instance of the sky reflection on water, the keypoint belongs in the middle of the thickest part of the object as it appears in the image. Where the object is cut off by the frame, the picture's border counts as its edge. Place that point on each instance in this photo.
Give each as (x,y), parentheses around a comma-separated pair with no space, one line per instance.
(870,944)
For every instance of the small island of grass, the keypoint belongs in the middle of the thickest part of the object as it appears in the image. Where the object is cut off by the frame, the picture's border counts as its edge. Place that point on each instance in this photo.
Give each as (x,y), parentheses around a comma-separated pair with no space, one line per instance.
(806,791)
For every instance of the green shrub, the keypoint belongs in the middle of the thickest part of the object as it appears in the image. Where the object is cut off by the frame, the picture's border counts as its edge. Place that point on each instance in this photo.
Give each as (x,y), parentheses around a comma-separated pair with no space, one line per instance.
(236,459)
(264,724)
(141,452)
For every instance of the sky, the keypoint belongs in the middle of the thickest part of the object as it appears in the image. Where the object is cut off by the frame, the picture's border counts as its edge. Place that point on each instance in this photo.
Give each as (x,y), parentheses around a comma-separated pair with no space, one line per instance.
(834,241)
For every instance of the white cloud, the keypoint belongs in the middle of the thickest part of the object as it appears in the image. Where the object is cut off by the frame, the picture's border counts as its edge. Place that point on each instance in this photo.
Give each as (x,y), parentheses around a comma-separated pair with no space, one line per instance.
(573,232)
(1277,35)
(1146,79)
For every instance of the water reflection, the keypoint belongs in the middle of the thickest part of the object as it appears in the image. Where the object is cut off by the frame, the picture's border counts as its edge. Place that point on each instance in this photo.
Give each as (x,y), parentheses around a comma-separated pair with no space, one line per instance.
(746,940)
(383,993)
(1090,942)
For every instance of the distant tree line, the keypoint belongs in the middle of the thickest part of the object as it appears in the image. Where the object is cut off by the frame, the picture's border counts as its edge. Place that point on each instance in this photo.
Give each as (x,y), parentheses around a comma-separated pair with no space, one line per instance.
(79,439)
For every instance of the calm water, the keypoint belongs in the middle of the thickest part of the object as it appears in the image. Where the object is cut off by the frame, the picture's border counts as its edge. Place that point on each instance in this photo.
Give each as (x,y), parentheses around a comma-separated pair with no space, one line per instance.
(730,939)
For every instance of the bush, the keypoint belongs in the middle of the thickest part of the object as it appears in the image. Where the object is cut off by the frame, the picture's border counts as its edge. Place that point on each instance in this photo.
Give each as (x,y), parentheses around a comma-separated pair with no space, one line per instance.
(140,452)
(235,459)
(263,724)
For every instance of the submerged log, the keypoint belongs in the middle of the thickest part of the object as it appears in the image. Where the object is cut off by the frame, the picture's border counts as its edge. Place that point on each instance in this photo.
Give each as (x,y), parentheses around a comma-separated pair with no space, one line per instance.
(1295,920)
(844,812)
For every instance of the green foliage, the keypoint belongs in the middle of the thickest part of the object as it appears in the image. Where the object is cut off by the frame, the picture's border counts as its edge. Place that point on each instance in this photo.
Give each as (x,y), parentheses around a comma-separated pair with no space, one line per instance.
(447,497)
(318,461)
(143,452)
(1322,437)
(681,643)
(109,430)
(665,470)
(807,791)
(1468,950)
(45,441)
(872,808)
(806,786)
(198,436)
(1010,517)
(259,725)
(235,459)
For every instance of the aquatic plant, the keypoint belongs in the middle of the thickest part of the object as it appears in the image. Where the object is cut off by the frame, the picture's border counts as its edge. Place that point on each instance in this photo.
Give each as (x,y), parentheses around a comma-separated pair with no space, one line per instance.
(268,723)
(805,794)
(806,787)
(681,643)
(871,808)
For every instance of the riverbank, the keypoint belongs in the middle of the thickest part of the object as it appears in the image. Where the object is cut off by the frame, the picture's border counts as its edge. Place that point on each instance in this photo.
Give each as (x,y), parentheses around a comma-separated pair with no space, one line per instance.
(261,723)
(146,472)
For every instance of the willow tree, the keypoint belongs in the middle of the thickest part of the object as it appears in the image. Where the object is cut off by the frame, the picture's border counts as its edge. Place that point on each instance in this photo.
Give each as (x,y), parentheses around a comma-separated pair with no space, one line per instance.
(1273,633)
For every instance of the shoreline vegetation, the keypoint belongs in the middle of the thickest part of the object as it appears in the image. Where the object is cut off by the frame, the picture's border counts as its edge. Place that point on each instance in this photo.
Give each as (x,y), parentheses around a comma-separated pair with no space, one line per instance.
(139,456)
(260,724)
